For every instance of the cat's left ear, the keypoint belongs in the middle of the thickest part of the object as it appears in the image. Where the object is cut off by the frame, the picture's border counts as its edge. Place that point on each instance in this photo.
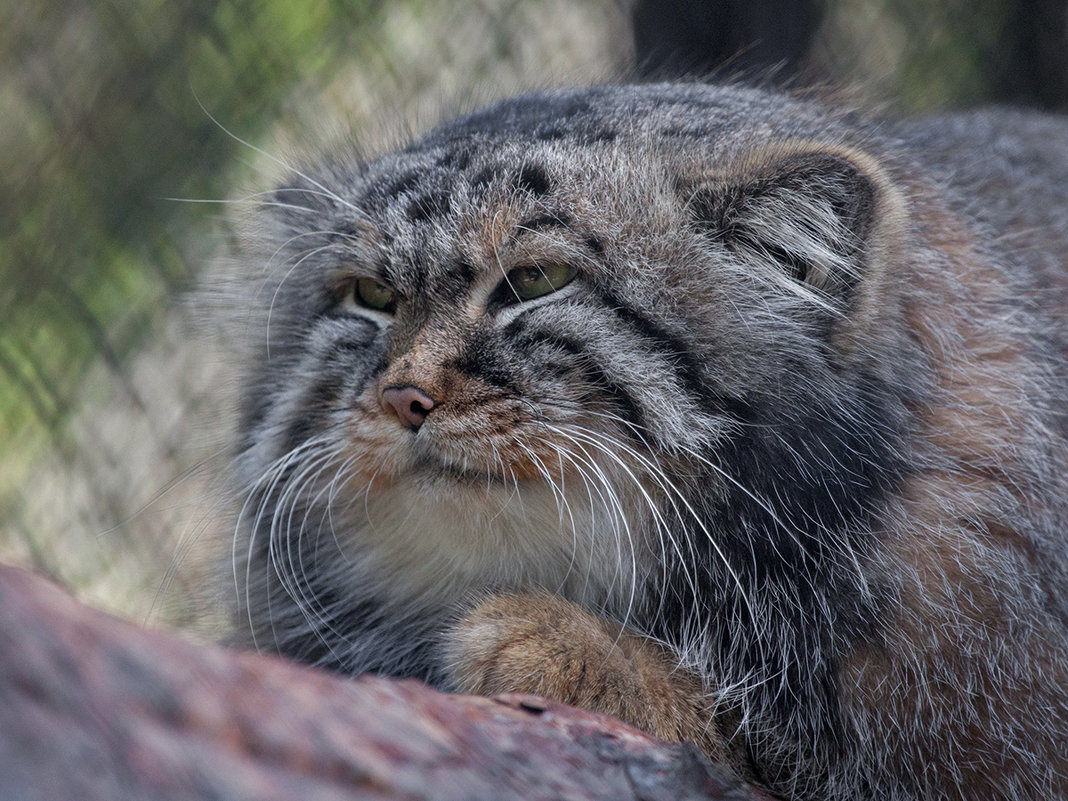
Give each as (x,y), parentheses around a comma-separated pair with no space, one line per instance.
(817,216)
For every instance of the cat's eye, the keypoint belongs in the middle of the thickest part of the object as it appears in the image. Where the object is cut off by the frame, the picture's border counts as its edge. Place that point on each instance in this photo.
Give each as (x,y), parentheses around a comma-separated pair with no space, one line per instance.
(533,282)
(373,294)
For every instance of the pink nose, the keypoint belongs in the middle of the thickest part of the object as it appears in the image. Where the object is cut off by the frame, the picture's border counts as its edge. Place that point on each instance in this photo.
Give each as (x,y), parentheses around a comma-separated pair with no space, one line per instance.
(409,403)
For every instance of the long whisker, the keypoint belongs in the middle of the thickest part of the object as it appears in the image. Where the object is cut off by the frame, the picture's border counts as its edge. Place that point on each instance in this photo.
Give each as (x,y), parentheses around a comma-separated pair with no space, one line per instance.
(332,195)
(596,440)
(563,507)
(260,492)
(282,528)
(629,577)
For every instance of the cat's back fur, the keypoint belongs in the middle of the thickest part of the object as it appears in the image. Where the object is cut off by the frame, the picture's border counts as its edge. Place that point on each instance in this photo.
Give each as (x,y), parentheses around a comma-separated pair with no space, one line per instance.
(793,404)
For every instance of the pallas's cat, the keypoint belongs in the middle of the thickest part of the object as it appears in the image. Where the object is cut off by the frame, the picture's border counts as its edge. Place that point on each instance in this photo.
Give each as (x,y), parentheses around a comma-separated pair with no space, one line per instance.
(734,415)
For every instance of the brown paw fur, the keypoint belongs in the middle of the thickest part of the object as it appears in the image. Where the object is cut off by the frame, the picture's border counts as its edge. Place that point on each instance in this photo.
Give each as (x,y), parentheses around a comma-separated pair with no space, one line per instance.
(545,645)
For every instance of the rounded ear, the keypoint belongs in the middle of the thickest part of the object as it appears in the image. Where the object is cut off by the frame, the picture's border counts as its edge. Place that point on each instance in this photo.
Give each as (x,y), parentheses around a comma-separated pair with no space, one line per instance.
(811,212)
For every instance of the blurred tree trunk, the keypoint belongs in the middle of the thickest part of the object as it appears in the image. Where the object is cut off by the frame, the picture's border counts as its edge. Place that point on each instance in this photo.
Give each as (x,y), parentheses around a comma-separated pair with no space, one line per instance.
(1027,64)
(751,39)
(96,709)
(1031,67)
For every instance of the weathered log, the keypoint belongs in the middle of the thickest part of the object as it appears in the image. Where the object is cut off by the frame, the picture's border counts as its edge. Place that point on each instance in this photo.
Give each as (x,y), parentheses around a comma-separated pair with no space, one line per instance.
(92,707)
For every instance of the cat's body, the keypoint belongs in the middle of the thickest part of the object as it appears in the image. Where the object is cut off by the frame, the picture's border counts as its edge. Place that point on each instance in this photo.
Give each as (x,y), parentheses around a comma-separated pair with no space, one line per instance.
(785,390)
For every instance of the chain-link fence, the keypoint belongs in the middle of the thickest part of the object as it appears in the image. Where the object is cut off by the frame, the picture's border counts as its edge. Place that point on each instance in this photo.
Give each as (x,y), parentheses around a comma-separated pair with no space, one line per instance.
(113,403)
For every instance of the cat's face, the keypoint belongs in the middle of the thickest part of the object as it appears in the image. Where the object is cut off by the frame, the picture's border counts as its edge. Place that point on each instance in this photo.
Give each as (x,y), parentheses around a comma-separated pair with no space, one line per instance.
(504,353)
(504,340)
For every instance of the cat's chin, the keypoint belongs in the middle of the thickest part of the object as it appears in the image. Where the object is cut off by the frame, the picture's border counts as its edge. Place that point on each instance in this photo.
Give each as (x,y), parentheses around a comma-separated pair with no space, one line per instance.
(451,467)
(437,475)
(435,537)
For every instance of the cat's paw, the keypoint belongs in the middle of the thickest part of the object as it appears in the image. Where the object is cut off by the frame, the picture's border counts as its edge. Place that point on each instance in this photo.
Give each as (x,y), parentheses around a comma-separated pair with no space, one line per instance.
(539,644)
(544,645)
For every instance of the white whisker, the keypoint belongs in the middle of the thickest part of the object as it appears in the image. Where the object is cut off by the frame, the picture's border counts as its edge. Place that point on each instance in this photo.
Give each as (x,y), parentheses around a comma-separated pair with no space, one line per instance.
(332,195)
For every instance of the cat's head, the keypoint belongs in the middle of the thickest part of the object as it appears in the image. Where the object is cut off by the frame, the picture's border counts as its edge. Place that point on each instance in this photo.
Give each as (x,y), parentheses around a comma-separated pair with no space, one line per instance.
(568,302)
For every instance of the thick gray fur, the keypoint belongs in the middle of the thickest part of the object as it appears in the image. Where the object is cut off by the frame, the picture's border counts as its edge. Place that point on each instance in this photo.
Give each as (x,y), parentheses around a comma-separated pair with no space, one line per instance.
(763,374)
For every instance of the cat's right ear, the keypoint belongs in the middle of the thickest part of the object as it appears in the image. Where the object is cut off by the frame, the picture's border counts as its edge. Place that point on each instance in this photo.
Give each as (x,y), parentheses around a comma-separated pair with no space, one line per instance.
(818,216)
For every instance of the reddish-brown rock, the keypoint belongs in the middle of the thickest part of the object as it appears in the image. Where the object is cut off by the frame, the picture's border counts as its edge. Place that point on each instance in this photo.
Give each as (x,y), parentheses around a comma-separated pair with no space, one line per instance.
(96,709)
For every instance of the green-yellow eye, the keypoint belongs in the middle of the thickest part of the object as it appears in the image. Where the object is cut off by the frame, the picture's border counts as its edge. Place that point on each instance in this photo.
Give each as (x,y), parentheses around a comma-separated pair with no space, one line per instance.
(374,294)
(533,282)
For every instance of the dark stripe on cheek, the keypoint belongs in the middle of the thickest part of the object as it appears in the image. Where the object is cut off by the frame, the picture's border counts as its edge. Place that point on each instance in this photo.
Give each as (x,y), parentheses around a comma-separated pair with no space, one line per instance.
(342,369)
(612,392)
(681,359)
(480,360)
(380,366)
(343,373)
(622,399)
(315,402)
(541,337)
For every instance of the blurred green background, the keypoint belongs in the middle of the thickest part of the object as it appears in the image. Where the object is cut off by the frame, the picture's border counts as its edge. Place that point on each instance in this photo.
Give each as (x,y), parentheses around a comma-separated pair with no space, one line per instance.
(113,392)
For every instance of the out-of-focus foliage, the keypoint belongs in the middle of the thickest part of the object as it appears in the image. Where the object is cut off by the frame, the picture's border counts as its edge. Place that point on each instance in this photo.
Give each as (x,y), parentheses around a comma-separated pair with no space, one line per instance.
(107,403)
(101,125)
